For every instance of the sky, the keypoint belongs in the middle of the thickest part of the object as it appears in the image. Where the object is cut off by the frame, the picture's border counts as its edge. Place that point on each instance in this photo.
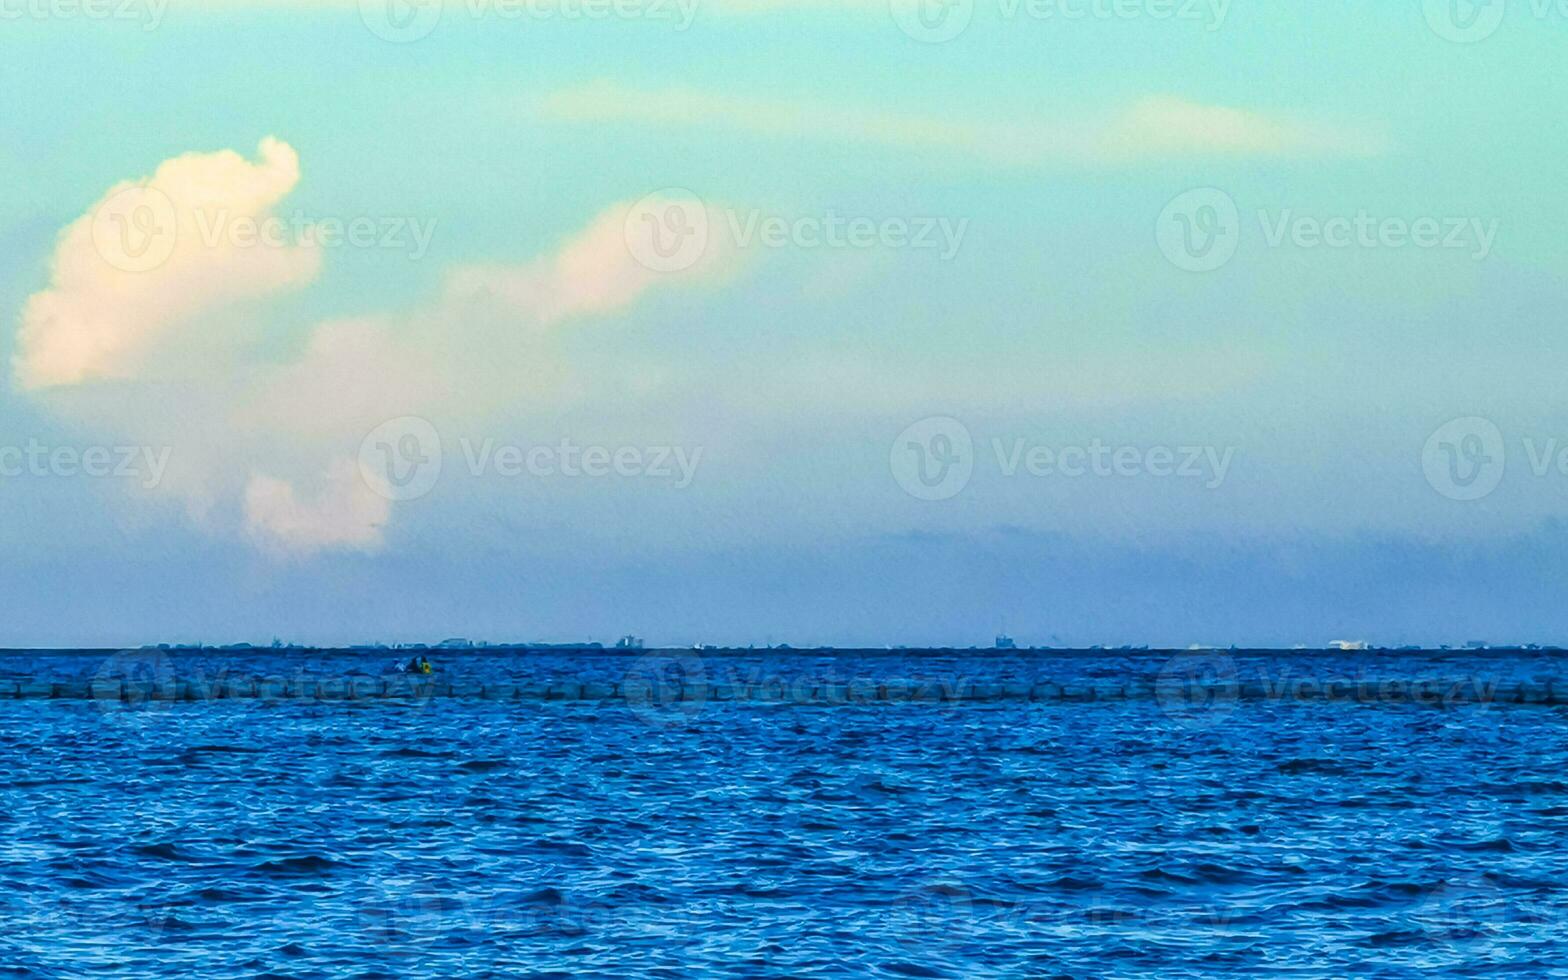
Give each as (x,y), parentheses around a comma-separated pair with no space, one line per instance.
(860,322)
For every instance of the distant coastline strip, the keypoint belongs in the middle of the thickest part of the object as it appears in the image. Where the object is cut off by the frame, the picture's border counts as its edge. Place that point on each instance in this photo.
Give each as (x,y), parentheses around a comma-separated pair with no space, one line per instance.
(1176,695)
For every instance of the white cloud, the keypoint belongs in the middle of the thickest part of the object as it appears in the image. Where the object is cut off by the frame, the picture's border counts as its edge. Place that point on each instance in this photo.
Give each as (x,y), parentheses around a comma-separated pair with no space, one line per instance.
(101,339)
(594,273)
(343,514)
(1155,128)
(152,260)
(1168,126)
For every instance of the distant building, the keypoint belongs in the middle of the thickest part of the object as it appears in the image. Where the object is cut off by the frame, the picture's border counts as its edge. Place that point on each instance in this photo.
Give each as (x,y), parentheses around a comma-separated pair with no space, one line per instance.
(455,643)
(1348,645)
(629,642)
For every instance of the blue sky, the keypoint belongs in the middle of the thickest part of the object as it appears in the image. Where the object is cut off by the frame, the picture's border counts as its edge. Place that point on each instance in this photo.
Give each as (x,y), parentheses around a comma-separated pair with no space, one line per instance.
(1337,416)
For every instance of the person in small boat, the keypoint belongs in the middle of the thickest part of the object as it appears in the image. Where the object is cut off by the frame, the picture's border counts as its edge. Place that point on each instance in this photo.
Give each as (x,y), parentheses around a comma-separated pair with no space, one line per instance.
(413,666)
(424,666)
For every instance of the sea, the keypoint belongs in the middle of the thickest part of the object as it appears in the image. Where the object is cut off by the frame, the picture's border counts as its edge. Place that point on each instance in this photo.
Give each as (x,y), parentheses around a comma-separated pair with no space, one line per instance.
(781,813)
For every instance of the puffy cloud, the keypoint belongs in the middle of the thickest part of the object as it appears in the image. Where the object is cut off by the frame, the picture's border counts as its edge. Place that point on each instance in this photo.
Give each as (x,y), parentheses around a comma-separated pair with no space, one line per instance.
(149,260)
(125,309)
(598,271)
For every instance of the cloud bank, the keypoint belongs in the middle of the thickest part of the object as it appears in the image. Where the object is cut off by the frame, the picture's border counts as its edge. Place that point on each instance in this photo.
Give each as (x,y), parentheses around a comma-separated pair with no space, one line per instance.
(143,280)
(151,259)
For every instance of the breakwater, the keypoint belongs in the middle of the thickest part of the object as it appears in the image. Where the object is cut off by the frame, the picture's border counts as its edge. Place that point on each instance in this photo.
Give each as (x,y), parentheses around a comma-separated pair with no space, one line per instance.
(791,691)
(1179,681)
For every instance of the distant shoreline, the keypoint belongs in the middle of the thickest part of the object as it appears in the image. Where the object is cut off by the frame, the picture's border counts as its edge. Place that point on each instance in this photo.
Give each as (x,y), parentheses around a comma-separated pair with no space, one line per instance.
(596,648)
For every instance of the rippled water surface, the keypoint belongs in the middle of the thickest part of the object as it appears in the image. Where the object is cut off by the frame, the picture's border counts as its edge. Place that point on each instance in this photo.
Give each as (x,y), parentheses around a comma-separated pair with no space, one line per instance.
(465,837)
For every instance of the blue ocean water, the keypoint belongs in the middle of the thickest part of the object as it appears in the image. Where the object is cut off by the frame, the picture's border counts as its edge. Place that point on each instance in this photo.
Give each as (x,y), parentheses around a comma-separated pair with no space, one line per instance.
(1367,836)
